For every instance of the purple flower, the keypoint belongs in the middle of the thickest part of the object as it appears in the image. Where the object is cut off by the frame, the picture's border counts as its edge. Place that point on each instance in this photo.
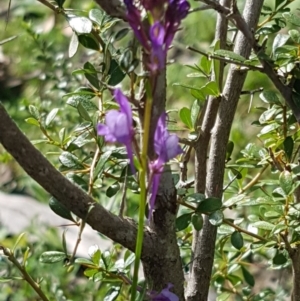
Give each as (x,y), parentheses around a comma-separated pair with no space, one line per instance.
(166,147)
(166,16)
(135,21)
(118,127)
(176,11)
(158,53)
(165,295)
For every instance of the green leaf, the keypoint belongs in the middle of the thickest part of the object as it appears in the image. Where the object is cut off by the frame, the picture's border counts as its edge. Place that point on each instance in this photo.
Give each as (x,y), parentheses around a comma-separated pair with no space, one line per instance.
(7,279)
(195,110)
(85,262)
(80,24)
(116,75)
(199,95)
(39,141)
(183,221)
(211,88)
(100,164)
(185,117)
(120,34)
(26,255)
(52,257)
(209,205)
(34,112)
(263,225)
(83,99)
(229,55)
(73,46)
(96,15)
(197,221)
(112,294)
(113,189)
(229,149)
(90,272)
(270,97)
(129,260)
(126,59)
(205,65)
(237,240)
(279,258)
(288,144)
(20,237)
(248,277)
(286,182)
(69,160)
(64,242)
(95,254)
(62,135)
(223,296)
(278,2)
(88,41)
(83,112)
(91,74)
(195,74)
(279,41)
(295,35)
(50,117)
(33,121)
(60,209)
(216,218)
(291,18)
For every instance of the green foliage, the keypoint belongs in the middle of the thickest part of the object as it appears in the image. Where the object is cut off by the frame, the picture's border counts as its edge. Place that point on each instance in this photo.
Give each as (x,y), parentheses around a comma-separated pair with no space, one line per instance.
(62,108)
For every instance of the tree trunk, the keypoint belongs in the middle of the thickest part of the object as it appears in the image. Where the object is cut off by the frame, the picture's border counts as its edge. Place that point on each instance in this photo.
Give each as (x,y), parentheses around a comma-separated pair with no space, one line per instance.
(204,248)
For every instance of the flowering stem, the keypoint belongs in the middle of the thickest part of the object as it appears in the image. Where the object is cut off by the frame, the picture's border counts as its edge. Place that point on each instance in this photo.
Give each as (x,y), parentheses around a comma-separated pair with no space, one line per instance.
(143,175)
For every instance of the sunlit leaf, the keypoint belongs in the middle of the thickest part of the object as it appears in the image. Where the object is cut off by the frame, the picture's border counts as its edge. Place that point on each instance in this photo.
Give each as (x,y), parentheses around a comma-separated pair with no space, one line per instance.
(52,257)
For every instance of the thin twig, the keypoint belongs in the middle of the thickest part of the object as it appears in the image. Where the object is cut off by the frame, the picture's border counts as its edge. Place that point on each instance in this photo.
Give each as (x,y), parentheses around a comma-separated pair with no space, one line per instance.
(227,222)
(225,60)
(7,252)
(254,180)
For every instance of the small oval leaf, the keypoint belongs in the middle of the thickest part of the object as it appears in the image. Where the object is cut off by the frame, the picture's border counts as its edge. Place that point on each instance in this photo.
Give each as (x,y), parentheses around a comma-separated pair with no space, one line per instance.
(209,205)
(183,221)
(248,277)
(113,189)
(50,117)
(286,182)
(197,221)
(52,257)
(185,117)
(216,218)
(81,24)
(73,46)
(60,209)
(237,240)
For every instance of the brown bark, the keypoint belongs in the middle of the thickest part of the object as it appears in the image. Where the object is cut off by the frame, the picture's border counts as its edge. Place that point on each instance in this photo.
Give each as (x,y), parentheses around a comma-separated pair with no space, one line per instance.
(204,250)
(206,123)
(164,265)
(295,256)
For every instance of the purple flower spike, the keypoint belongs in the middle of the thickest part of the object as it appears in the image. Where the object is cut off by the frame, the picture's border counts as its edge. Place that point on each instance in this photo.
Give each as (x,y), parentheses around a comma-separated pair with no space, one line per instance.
(158,53)
(118,127)
(135,21)
(176,11)
(166,147)
(165,295)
